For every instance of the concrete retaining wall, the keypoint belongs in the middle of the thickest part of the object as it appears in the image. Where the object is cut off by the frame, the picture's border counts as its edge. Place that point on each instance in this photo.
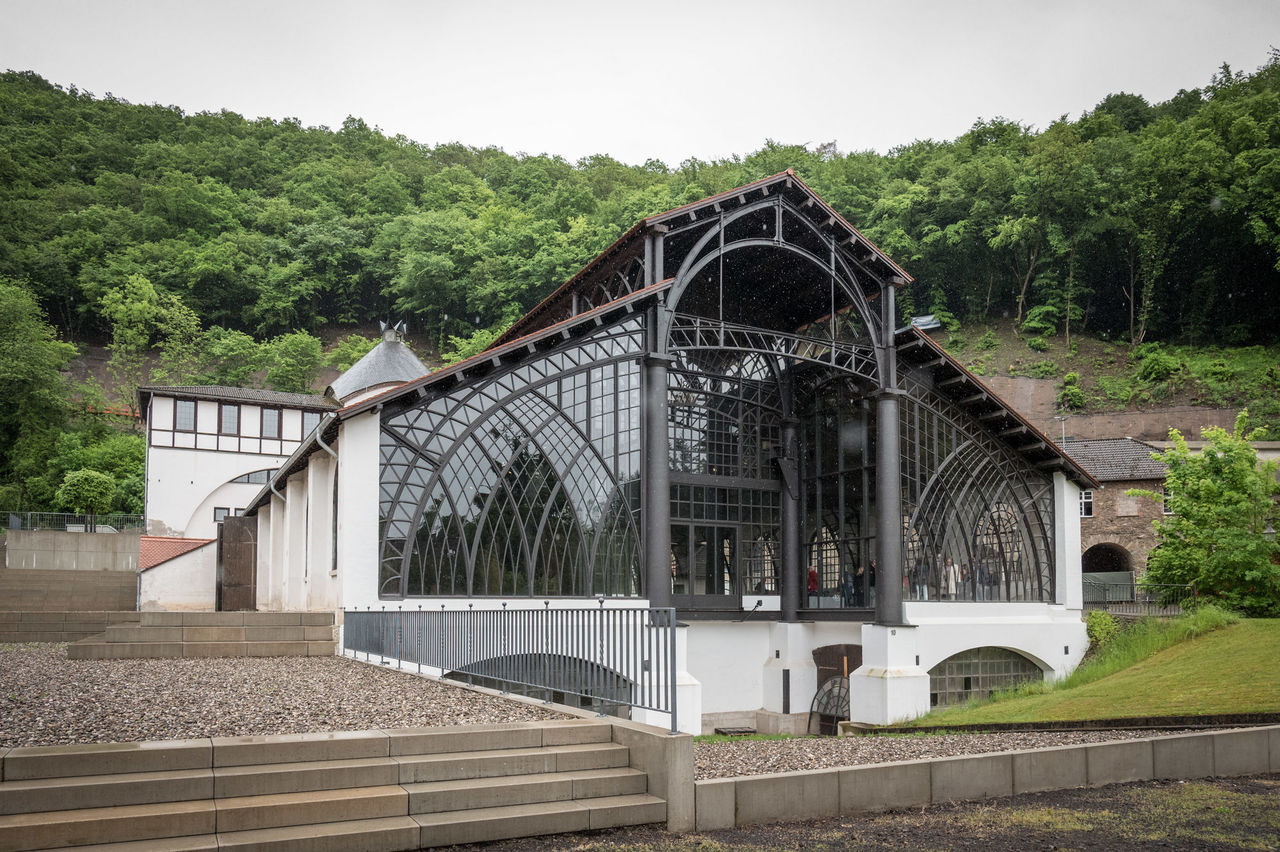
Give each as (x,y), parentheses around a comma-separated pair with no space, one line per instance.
(54,550)
(731,802)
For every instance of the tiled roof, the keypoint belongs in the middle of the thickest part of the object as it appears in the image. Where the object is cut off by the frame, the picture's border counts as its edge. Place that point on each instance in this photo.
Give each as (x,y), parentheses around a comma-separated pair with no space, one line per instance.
(156,549)
(1112,459)
(253,396)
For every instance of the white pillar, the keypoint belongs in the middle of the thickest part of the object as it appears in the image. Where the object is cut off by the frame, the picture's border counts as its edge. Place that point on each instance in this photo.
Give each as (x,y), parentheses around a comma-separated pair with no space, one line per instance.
(790,676)
(688,694)
(889,686)
(1066,543)
(358,495)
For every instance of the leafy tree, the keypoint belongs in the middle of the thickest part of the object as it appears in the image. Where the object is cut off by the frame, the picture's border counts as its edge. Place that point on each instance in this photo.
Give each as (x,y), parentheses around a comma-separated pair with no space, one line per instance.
(31,360)
(293,362)
(1222,502)
(349,350)
(228,357)
(86,492)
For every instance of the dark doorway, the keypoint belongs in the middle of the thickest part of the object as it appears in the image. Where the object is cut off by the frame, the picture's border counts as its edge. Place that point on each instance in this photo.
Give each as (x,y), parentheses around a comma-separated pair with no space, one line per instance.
(1105,558)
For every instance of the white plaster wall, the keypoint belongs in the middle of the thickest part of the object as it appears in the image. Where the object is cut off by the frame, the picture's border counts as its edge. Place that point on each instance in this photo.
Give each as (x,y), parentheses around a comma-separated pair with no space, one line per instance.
(1066,538)
(1052,636)
(728,659)
(358,464)
(187,582)
(180,482)
(323,591)
(262,581)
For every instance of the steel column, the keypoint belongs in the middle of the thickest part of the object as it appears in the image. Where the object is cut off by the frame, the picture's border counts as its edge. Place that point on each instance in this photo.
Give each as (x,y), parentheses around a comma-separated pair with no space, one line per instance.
(888,472)
(657,482)
(792,573)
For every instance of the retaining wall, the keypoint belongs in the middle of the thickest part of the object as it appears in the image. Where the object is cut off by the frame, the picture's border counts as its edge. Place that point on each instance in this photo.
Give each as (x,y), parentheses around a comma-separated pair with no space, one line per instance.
(732,802)
(54,550)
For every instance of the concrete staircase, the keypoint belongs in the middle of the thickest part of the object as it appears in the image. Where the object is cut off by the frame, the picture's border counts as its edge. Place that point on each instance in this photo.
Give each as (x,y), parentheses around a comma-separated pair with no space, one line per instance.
(213,634)
(367,790)
(34,590)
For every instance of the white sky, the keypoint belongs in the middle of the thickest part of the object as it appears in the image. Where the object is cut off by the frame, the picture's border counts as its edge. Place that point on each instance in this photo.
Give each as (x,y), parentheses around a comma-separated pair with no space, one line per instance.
(637,80)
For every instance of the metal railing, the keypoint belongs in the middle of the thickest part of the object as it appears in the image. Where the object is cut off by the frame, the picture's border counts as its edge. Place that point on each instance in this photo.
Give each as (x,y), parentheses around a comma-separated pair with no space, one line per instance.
(609,656)
(1138,598)
(107,522)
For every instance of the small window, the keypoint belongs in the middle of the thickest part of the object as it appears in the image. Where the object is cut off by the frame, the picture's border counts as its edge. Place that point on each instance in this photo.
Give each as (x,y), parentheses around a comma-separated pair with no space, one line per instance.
(271,423)
(220,513)
(257,477)
(238,512)
(228,419)
(184,415)
(1086,504)
(310,420)
(1164,504)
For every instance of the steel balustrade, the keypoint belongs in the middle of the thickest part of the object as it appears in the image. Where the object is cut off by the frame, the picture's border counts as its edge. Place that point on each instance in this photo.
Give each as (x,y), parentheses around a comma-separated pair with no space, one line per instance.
(621,656)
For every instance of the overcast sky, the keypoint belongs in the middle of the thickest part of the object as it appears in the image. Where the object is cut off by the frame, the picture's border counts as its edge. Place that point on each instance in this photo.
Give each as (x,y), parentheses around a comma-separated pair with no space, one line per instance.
(636,80)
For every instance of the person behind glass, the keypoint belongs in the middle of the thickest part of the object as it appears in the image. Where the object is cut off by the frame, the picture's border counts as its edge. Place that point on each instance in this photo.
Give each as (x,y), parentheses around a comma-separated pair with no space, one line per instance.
(982,578)
(950,579)
(813,585)
(920,580)
(871,583)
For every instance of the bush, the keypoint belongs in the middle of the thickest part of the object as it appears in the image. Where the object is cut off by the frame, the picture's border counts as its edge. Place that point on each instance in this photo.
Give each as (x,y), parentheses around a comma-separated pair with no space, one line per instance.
(1037,344)
(1072,397)
(1102,628)
(987,341)
(1044,369)
(1041,320)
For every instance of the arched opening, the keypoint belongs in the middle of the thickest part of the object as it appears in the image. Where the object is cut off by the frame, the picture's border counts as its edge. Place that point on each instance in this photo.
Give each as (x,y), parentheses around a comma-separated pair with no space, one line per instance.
(976,673)
(1106,558)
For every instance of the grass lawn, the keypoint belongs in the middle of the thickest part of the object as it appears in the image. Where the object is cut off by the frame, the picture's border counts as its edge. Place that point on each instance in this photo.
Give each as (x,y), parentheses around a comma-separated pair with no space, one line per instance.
(1231,670)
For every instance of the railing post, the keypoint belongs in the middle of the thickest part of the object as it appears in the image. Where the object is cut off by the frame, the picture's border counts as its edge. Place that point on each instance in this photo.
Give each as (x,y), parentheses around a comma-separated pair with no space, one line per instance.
(671,666)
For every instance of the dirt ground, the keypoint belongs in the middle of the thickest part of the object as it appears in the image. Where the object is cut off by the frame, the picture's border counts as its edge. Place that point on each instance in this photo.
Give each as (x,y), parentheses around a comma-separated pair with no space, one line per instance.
(1213,814)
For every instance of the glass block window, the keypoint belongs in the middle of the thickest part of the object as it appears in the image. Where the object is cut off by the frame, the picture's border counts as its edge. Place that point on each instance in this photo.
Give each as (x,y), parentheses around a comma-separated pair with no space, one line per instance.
(228,419)
(184,415)
(976,673)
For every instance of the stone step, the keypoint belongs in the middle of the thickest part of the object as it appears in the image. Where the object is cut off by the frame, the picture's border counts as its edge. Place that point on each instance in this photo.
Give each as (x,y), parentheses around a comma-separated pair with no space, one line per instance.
(190,843)
(282,810)
(482,825)
(458,766)
(304,777)
(105,791)
(441,796)
(237,619)
(390,834)
(97,648)
(47,829)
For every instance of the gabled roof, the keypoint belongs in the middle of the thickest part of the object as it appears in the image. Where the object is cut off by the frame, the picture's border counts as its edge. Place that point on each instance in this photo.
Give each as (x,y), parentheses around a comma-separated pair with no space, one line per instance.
(557,306)
(251,396)
(155,550)
(952,380)
(388,363)
(1115,459)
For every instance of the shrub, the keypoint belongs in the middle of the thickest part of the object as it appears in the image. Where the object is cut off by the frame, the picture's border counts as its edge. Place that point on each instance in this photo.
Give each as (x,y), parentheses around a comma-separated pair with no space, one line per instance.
(956,342)
(1157,367)
(1102,628)
(1072,397)
(1037,344)
(1044,369)
(987,341)
(1041,320)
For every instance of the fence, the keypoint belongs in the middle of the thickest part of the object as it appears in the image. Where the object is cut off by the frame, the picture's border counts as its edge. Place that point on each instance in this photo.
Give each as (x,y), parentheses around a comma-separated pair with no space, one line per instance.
(1137,598)
(623,656)
(67,522)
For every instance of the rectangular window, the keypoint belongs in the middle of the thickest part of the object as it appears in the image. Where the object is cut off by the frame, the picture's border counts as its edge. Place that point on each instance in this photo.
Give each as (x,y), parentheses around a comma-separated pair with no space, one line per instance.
(1164,504)
(271,423)
(1086,504)
(228,419)
(184,415)
(310,420)
(220,513)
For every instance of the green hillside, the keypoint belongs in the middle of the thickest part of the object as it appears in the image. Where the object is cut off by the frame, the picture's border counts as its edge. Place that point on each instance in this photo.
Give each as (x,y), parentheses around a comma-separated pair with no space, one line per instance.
(1230,670)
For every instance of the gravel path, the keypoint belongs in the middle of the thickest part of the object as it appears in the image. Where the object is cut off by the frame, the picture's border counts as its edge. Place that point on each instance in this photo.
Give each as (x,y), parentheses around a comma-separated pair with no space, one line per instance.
(759,757)
(46,699)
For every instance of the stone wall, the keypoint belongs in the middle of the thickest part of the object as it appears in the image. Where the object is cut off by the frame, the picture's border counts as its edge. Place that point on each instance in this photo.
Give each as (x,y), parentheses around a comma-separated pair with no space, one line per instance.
(1123,520)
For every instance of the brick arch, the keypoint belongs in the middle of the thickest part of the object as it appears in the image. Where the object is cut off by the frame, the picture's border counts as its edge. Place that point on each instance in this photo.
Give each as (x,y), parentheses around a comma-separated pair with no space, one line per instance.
(1106,556)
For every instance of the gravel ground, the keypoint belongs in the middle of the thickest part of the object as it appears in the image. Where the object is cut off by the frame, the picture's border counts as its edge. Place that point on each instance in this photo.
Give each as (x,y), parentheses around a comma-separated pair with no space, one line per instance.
(759,757)
(46,699)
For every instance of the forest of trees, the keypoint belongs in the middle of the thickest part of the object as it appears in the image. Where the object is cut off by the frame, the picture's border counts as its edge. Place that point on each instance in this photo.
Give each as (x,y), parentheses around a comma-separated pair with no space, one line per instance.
(224,244)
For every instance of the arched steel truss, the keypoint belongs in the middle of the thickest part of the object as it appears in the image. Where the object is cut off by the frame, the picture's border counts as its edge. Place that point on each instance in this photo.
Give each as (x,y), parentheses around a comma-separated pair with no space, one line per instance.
(790,232)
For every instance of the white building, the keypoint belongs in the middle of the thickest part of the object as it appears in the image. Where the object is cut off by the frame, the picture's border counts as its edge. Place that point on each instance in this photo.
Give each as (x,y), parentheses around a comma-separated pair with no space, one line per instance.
(717,415)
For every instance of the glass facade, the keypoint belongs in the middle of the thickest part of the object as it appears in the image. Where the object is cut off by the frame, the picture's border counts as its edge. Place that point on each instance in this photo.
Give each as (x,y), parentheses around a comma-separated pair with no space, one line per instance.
(525,483)
(525,476)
